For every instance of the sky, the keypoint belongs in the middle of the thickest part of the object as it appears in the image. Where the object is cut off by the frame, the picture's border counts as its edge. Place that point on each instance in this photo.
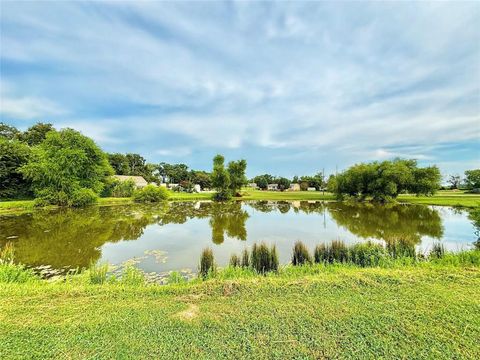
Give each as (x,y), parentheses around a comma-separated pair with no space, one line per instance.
(292,87)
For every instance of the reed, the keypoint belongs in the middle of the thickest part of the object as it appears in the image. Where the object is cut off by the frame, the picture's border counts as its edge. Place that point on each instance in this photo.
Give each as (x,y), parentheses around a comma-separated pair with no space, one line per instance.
(264,259)
(245,259)
(7,253)
(207,263)
(438,251)
(97,274)
(300,255)
(235,260)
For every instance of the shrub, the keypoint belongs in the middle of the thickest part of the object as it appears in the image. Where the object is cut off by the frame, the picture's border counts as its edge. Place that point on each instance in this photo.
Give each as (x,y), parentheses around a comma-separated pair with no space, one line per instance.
(234,260)
(222,195)
(438,251)
(13,273)
(123,189)
(264,259)
(150,193)
(300,255)
(207,263)
(83,197)
(245,259)
(401,248)
(175,278)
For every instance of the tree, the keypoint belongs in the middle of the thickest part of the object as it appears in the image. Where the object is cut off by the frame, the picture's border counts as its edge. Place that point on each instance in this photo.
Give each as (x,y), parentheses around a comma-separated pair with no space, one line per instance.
(454,181)
(262,181)
(13,155)
(283,183)
(8,132)
(201,178)
(472,179)
(67,169)
(384,181)
(119,163)
(36,133)
(173,173)
(236,170)
(220,179)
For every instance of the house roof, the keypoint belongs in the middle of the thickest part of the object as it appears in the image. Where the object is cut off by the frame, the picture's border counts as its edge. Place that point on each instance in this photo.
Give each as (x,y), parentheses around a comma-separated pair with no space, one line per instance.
(138,180)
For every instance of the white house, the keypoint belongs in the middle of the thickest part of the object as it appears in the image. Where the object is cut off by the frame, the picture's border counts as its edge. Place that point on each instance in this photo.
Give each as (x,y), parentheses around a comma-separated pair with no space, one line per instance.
(272,187)
(139,181)
(294,187)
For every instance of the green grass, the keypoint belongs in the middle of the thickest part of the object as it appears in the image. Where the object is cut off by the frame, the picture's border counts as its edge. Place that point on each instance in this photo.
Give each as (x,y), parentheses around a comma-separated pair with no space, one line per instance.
(444,198)
(428,311)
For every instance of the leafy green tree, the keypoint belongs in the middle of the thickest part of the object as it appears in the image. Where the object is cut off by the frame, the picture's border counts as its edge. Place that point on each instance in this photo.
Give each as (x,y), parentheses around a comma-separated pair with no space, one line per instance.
(36,133)
(119,163)
(236,170)
(220,179)
(472,179)
(173,173)
(201,178)
(67,168)
(283,183)
(384,181)
(262,181)
(8,132)
(13,155)
(454,181)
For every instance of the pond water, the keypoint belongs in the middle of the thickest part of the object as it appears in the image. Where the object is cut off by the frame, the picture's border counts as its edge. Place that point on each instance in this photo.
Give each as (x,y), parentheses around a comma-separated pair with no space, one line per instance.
(171,236)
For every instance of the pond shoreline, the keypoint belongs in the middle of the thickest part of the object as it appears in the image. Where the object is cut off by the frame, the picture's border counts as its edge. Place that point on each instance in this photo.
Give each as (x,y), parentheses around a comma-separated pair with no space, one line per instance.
(443,198)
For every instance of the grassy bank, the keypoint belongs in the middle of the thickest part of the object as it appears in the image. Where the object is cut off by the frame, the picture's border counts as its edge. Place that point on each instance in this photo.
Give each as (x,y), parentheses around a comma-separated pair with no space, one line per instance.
(444,198)
(430,311)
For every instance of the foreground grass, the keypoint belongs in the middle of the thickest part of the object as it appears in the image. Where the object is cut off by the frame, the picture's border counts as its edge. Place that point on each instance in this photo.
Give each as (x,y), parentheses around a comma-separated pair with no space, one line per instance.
(426,311)
(443,198)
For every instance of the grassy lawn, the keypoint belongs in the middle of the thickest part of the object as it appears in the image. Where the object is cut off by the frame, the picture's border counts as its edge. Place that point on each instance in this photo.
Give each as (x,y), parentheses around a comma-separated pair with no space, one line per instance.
(340,312)
(447,198)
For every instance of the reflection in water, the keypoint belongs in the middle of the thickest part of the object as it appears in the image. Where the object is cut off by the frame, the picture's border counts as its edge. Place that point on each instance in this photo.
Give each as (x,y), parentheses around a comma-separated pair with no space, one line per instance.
(74,238)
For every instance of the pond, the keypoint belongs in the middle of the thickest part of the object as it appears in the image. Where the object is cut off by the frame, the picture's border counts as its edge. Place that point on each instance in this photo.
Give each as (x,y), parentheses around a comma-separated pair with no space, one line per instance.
(170,236)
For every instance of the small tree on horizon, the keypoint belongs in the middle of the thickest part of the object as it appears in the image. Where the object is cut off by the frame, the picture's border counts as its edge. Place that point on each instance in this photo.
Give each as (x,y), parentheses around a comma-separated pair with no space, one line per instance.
(236,170)
(220,179)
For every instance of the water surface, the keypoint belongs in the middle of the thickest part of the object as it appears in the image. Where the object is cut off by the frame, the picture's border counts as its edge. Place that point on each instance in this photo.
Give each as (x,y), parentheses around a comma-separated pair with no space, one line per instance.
(171,236)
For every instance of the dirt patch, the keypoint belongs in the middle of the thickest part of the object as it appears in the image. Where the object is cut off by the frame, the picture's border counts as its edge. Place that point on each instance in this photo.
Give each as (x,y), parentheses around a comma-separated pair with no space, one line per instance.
(189,314)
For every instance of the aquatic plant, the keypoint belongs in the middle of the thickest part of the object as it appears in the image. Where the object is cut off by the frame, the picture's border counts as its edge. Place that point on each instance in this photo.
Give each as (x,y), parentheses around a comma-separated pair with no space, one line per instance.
(264,259)
(234,260)
(338,252)
(300,255)
(207,263)
(367,254)
(245,258)
(438,251)
(175,277)
(132,276)
(7,253)
(98,274)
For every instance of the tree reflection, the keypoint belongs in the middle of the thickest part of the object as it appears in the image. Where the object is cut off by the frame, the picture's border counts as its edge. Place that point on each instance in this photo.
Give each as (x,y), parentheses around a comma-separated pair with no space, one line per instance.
(392,223)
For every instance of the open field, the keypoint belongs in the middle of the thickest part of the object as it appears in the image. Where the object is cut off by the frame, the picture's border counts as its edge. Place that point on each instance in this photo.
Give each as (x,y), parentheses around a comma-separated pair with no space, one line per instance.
(446,198)
(338,312)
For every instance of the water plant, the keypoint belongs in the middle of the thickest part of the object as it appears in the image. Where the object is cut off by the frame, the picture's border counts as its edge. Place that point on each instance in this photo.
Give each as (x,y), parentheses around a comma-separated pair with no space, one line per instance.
(235,260)
(7,253)
(264,259)
(132,276)
(438,251)
(245,258)
(367,254)
(338,252)
(207,263)
(300,255)
(97,274)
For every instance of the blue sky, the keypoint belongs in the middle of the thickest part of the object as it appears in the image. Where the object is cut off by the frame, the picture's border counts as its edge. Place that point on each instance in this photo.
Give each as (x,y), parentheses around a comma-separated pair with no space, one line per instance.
(293,87)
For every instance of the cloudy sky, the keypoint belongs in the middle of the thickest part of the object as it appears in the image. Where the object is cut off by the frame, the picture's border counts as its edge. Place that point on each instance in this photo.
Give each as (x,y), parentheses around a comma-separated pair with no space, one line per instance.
(291,87)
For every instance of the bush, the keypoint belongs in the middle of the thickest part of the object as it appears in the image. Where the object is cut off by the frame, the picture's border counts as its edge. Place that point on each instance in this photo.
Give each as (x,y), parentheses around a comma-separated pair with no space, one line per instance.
(83,197)
(337,251)
(320,253)
(300,255)
(117,188)
(132,276)
(207,263)
(150,193)
(222,195)
(264,259)
(7,254)
(234,260)
(12,273)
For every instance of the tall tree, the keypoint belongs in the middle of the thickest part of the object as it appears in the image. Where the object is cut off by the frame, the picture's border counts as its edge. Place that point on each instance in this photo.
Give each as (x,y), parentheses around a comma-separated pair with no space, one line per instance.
(68,168)
(36,133)
(13,155)
(8,132)
(236,170)
(454,181)
(472,179)
(220,179)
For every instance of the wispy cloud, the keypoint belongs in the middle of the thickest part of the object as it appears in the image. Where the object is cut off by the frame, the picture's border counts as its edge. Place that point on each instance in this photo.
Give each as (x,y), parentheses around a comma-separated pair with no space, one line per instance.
(324,84)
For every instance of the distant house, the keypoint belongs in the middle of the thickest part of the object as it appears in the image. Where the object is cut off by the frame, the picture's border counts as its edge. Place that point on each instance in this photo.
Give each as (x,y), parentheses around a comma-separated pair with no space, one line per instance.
(252,185)
(294,187)
(311,189)
(139,181)
(272,187)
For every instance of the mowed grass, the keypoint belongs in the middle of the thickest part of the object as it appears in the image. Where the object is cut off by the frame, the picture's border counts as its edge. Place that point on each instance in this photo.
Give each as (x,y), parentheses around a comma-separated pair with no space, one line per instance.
(342,312)
(443,198)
